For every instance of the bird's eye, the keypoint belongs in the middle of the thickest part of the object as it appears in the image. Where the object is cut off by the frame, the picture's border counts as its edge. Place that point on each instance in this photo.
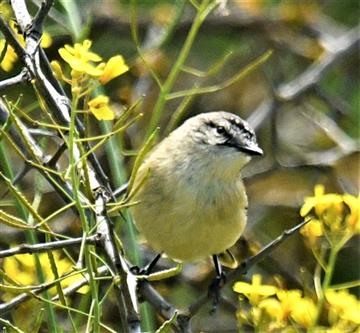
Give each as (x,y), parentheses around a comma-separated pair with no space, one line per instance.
(248,136)
(220,129)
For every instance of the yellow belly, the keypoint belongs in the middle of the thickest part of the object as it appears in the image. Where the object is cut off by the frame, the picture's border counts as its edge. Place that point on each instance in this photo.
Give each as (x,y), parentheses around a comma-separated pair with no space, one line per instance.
(192,225)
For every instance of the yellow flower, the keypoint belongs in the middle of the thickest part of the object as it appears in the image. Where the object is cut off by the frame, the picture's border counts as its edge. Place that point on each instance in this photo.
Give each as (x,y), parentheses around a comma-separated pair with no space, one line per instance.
(321,202)
(9,58)
(353,219)
(288,298)
(290,304)
(343,305)
(273,308)
(113,68)
(81,59)
(337,216)
(99,107)
(5,9)
(81,51)
(46,40)
(56,67)
(304,312)
(22,269)
(312,231)
(254,291)
(339,327)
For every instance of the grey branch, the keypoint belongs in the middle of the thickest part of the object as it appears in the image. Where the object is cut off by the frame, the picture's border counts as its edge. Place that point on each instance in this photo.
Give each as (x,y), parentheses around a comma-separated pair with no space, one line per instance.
(58,103)
(22,77)
(23,297)
(125,301)
(38,248)
(344,45)
(248,263)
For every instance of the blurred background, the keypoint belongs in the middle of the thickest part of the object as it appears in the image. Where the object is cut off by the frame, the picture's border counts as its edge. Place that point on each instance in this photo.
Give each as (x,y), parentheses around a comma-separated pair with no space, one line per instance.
(303,102)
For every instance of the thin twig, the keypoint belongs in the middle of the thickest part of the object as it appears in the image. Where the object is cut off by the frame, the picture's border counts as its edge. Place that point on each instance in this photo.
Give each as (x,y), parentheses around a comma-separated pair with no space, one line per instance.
(247,264)
(22,77)
(43,247)
(344,45)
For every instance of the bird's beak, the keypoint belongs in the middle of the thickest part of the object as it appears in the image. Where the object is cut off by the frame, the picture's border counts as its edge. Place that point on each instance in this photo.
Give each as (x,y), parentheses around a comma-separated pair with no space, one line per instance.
(252,149)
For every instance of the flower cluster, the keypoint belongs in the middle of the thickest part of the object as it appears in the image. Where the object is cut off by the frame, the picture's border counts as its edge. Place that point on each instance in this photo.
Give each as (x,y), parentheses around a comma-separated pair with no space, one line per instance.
(332,215)
(334,220)
(274,309)
(87,71)
(21,271)
(343,310)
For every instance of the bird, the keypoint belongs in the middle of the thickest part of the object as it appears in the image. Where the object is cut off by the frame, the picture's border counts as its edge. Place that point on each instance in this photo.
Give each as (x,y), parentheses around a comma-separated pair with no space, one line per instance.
(191,201)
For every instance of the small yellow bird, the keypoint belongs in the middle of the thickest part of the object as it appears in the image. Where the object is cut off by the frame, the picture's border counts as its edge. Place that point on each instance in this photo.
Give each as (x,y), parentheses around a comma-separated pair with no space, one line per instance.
(192,203)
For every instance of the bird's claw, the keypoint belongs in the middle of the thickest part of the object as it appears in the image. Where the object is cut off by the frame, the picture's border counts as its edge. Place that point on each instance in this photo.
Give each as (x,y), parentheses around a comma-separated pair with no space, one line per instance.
(136,270)
(214,291)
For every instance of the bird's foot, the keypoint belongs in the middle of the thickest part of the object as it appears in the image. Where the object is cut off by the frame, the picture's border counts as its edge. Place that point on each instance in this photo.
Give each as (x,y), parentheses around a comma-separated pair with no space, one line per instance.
(142,271)
(215,290)
(148,269)
(136,270)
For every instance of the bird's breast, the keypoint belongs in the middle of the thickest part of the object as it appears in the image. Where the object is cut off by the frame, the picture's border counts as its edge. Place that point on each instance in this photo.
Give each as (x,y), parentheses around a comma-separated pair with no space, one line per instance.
(191,221)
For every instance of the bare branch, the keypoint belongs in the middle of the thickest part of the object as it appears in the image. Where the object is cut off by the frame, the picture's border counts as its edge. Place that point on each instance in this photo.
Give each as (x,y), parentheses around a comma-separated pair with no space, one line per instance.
(38,20)
(22,77)
(163,307)
(125,300)
(59,104)
(43,247)
(248,263)
(344,45)
(23,297)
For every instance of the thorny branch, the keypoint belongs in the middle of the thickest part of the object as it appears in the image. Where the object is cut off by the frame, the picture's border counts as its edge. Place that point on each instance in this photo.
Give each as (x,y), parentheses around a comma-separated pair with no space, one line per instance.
(147,292)
(59,105)
(38,248)
(21,298)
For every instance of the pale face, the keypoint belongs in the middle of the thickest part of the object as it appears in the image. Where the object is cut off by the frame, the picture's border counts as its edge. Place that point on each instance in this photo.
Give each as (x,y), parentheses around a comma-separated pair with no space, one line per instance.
(224,140)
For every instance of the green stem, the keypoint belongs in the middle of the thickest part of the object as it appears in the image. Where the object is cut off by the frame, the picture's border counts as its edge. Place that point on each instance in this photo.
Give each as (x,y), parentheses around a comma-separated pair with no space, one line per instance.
(119,176)
(329,272)
(30,238)
(204,10)
(73,16)
(84,219)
